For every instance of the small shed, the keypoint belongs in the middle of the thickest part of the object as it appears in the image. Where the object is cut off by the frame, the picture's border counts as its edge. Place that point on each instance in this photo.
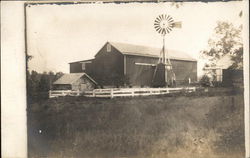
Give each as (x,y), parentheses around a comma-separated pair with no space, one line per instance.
(223,63)
(223,74)
(75,82)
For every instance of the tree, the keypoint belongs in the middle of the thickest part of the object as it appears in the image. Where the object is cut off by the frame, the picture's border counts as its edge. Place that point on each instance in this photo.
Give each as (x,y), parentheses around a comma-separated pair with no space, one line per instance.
(28,57)
(227,40)
(58,75)
(44,84)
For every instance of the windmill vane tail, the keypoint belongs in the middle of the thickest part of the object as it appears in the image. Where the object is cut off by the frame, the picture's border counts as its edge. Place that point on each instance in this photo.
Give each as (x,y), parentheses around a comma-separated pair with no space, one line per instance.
(177,24)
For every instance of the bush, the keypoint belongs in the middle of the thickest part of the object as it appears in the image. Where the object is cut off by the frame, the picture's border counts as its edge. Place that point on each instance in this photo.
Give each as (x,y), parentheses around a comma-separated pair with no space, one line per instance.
(205,81)
(217,84)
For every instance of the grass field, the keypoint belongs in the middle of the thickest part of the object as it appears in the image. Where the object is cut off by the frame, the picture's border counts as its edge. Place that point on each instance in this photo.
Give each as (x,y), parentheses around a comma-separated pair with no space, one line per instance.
(142,127)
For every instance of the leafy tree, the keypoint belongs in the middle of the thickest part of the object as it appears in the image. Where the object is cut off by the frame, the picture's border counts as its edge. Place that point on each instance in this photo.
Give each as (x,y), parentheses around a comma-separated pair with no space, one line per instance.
(227,40)
(38,84)
(237,59)
(44,82)
(58,75)
(28,57)
(177,4)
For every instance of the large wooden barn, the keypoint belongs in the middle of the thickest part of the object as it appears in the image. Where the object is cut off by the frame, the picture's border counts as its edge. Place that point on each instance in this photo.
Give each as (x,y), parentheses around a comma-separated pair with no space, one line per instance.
(119,63)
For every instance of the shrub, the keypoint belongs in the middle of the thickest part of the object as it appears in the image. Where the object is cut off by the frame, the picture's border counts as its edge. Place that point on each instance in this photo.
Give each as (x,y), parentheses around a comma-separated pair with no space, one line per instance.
(205,81)
(217,83)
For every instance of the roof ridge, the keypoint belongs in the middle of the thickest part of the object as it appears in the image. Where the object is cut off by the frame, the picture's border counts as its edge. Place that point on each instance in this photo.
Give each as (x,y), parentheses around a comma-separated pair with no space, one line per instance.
(70,74)
(127,48)
(133,44)
(81,61)
(143,46)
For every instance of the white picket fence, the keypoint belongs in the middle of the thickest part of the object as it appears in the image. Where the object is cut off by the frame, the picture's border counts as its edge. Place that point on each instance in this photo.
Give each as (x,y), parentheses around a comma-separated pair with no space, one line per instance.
(58,93)
(123,92)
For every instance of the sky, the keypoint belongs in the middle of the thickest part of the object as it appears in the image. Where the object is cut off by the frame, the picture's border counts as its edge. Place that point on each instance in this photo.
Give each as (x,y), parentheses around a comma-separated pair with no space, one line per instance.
(59,34)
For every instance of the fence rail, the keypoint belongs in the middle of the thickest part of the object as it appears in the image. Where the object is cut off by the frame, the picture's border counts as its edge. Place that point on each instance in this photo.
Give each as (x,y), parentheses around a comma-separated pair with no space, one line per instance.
(57,93)
(123,92)
(120,92)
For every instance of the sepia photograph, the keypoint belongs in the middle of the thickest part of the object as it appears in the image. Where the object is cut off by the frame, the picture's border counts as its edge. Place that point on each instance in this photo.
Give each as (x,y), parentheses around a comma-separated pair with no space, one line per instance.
(135,79)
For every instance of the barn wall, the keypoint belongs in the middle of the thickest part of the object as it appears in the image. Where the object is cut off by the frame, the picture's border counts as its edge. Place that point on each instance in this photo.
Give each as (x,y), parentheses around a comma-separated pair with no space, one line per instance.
(141,75)
(76,85)
(77,67)
(232,77)
(61,87)
(184,70)
(83,80)
(89,84)
(107,67)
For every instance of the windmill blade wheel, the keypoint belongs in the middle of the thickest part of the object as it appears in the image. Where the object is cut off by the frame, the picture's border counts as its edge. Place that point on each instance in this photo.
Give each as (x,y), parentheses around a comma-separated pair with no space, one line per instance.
(163,24)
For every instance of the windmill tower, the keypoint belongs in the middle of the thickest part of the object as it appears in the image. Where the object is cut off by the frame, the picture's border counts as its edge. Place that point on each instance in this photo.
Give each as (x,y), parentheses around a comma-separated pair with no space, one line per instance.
(164,24)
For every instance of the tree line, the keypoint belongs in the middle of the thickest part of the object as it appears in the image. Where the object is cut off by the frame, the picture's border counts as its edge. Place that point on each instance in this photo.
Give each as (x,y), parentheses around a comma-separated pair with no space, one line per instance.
(38,84)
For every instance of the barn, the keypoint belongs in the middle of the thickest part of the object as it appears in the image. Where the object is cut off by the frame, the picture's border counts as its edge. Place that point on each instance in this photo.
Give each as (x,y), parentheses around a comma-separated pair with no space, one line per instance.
(134,65)
(75,82)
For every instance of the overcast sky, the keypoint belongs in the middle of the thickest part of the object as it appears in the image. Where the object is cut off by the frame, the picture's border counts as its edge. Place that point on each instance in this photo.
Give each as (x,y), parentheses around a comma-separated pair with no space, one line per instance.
(59,34)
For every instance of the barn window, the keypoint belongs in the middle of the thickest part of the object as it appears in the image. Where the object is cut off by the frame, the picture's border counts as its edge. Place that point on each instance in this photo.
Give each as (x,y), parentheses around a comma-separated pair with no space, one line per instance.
(108,48)
(83,66)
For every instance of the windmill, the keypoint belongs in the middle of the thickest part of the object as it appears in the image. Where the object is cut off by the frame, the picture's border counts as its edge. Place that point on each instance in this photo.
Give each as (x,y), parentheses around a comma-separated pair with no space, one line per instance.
(164,24)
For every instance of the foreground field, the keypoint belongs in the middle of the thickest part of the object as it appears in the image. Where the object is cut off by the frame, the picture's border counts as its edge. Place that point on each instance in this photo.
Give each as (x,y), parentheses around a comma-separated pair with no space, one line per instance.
(145,127)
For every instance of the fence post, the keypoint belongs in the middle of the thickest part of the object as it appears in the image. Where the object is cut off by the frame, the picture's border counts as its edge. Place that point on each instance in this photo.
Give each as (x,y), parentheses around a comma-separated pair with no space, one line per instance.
(133,93)
(111,93)
(150,91)
(49,93)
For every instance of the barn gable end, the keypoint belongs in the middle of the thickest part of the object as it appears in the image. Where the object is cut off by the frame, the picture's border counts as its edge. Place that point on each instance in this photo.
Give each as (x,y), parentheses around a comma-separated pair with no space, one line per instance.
(107,66)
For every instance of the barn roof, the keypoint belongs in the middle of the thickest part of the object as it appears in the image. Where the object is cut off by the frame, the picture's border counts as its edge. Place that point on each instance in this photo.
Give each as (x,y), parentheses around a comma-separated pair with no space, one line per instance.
(80,61)
(131,49)
(71,78)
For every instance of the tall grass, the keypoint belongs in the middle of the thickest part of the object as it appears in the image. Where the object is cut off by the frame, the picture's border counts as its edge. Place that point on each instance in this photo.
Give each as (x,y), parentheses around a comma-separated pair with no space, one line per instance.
(146,127)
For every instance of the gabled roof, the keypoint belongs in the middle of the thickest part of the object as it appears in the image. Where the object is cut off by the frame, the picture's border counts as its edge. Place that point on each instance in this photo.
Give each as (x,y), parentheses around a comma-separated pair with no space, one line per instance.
(81,61)
(71,78)
(131,49)
(224,62)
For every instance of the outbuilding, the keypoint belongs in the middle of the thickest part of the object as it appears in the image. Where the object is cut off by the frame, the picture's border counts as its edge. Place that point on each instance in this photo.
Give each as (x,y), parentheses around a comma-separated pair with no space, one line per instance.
(74,82)
(223,74)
